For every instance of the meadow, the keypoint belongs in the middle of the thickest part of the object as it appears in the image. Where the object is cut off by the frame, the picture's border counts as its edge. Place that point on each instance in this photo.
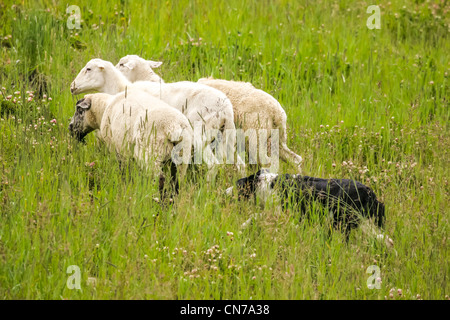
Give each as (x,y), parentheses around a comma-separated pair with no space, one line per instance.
(366,104)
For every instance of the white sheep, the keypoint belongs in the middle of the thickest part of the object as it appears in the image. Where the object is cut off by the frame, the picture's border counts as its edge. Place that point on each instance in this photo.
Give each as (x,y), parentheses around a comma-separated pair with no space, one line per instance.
(256,109)
(199,103)
(253,108)
(136,124)
(137,69)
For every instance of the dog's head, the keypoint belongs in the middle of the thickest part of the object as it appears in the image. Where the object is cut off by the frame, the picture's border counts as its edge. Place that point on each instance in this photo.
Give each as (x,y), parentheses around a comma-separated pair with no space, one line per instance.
(258,185)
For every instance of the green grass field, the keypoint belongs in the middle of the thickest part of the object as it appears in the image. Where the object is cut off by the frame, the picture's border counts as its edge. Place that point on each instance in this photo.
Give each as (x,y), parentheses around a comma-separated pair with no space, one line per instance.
(371,105)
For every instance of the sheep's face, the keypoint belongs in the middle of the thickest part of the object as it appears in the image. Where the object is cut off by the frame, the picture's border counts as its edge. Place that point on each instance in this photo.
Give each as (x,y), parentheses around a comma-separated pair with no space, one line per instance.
(79,126)
(135,68)
(90,78)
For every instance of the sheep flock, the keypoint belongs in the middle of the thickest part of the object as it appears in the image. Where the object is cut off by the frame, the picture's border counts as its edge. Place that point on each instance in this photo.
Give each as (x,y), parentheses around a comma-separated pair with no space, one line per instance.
(212,121)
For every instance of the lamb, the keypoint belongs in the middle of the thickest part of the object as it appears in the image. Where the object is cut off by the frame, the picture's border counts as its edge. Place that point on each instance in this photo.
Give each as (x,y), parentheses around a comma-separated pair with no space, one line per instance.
(139,125)
(134,68)
(199,103)
(253,108)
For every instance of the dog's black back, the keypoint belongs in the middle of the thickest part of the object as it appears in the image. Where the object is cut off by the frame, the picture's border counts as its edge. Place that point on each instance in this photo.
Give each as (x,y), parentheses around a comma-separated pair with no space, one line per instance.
(341,196)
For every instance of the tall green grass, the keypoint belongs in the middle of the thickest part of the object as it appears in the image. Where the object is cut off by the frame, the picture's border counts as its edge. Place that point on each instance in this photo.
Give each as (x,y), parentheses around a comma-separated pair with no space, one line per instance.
(365,104)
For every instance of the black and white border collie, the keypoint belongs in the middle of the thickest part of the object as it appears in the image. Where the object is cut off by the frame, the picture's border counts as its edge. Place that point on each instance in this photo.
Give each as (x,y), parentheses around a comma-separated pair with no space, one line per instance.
(348,201)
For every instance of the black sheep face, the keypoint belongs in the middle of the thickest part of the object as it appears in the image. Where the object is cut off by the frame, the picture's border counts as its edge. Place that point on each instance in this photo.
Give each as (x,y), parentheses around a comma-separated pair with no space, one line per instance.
(77,126)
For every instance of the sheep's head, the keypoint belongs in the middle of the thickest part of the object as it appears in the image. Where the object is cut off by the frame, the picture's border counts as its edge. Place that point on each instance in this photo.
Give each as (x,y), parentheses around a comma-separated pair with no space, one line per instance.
(135,68)
(90,78)
(79,127)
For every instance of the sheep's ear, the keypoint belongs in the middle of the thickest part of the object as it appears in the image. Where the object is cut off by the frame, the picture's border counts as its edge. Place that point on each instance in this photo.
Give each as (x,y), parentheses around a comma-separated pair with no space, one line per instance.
(101,66)
(154,64)
(84,103)
(130,65)
(79,102)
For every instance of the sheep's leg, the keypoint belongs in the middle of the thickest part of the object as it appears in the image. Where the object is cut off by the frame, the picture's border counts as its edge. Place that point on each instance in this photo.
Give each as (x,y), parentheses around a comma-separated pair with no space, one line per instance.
(210,159)
(182,168)
(187,148)
(251,147)
(182,142)
(153,153)
(208,156)
(211,162)
(285,153)
(229,125)
(163,190)
(174,178)
(167,192)
(240,165)
(157,166)
(202,150)
(211,174)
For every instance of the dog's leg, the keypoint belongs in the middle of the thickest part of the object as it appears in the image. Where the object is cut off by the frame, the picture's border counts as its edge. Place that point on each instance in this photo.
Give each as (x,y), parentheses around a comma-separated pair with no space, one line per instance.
(370,230)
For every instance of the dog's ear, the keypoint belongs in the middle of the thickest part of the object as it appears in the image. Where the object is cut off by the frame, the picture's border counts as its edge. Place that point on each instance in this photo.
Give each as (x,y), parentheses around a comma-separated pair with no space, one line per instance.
(84,103)
(229,191)
(262,171)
